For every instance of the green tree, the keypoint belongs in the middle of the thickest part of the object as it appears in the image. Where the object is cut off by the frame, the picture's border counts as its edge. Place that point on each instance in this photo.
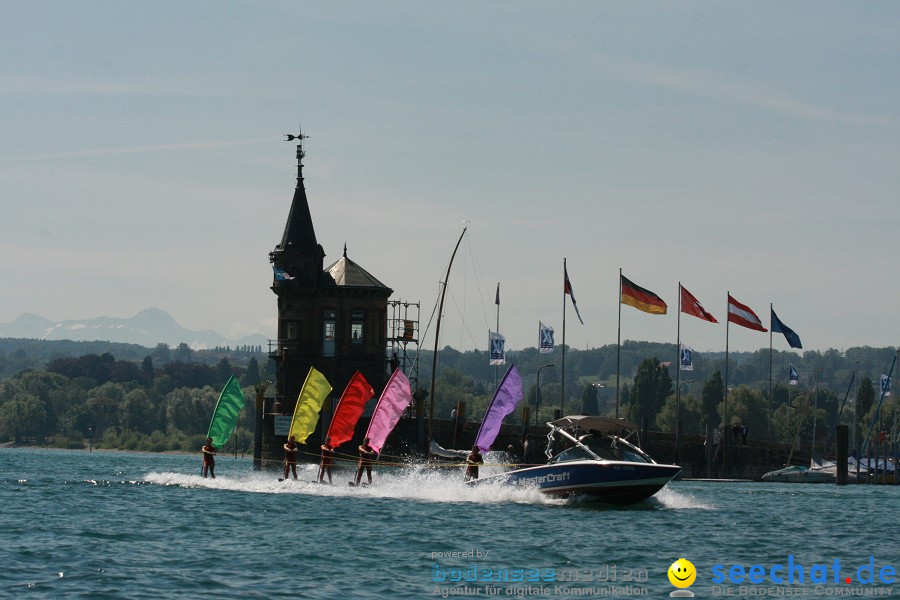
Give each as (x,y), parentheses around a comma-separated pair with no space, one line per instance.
(23,416)
(161,354)
(711,396)
(223,371)
(692,418)
(589,404)
(652,384)
(865,396)
(251,377)
(190,409)
(183,353)
(136,412)
(746,406)
(147,368)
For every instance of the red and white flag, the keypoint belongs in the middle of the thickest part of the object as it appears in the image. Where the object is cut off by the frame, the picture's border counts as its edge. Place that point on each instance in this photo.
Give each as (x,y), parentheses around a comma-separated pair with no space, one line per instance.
(691,306)
(742,315)
(567,289)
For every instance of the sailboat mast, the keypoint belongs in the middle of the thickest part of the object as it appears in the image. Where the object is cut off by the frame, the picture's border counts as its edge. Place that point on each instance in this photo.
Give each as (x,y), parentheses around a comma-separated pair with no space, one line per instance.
(437,337)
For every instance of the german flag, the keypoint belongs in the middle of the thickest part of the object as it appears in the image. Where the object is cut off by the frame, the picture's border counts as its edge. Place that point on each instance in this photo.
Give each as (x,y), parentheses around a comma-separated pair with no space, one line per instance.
(641,299)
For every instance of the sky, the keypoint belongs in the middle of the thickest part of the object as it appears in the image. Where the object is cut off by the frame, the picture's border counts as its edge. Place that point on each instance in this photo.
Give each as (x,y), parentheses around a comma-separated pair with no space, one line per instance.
(739,147)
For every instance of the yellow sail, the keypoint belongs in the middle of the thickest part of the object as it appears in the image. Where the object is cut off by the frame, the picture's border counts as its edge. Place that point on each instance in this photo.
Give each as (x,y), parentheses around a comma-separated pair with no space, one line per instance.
(306,414)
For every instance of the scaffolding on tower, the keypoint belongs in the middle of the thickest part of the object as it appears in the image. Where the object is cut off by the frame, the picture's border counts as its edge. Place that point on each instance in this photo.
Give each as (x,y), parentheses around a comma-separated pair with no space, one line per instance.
(403,338)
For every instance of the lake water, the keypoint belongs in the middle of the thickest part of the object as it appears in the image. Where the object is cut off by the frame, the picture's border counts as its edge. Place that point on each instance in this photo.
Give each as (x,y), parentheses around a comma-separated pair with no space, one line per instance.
(131,525)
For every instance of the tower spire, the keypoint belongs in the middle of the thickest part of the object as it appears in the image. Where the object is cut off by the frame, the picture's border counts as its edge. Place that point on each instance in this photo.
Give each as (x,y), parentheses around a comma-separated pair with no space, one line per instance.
(299,234)
(300,153)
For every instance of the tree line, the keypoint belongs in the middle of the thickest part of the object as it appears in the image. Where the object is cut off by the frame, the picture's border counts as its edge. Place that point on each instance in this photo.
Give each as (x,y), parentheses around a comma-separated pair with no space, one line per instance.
(120,403)
(164,400)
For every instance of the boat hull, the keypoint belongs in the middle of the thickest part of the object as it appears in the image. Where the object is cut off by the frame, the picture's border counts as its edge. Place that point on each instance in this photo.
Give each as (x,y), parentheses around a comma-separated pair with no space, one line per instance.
(799,475)
(607,481)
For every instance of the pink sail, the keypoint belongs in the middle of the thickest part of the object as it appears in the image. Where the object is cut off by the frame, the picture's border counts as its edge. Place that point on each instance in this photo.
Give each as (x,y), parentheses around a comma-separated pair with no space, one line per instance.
(507,396)
(394,400)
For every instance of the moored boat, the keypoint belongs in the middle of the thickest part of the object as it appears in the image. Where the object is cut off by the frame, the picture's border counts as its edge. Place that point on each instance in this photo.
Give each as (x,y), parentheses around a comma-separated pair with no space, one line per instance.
(800,474)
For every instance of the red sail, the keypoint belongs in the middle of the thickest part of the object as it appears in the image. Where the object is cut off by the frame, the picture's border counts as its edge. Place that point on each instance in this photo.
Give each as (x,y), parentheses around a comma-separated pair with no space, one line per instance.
(349,409)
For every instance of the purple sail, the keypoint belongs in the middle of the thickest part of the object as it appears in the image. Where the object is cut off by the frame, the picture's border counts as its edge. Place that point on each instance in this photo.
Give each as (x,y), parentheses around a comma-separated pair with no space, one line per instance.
(505,400)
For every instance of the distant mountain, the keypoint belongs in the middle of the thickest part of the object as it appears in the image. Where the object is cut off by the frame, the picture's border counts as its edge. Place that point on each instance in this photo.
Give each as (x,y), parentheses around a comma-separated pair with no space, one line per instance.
(147,328)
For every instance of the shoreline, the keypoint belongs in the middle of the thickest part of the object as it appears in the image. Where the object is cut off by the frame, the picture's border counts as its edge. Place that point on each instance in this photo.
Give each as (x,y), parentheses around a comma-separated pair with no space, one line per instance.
(6,445)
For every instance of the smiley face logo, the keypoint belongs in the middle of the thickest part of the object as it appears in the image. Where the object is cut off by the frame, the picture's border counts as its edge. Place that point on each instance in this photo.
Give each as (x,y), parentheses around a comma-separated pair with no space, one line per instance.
(682,573)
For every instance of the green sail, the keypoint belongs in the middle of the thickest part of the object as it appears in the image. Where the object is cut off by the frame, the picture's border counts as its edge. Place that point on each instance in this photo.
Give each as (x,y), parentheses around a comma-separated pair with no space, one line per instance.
(229,406)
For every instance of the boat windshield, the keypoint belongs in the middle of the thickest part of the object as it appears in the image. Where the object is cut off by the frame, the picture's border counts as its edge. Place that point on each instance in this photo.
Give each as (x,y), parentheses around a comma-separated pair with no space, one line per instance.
(605,448)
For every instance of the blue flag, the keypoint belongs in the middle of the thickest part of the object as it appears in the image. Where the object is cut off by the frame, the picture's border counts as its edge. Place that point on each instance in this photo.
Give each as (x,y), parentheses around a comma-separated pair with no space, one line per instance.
(280,274)
(778,327)
(687,358)
(885,385)
(793,376)
(546,338)
(498,350)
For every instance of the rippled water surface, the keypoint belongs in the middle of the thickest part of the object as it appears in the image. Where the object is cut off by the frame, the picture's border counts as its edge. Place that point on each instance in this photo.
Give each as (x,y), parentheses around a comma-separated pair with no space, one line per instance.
(132,525)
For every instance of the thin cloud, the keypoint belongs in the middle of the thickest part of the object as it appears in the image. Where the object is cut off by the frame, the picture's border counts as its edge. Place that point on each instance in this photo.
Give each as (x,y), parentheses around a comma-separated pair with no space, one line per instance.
(140,149)
(713,85)
(46,86)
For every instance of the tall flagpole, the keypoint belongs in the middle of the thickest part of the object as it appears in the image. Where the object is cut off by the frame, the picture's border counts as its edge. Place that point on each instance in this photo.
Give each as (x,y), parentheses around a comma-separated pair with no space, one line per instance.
(677,377)
(619,343)
(855,415)
(562,387)
(726,435)
(497,302)
(769,407)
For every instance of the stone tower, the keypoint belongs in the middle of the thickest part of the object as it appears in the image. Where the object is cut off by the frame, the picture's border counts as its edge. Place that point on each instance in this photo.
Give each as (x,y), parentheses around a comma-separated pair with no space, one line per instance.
(332,318)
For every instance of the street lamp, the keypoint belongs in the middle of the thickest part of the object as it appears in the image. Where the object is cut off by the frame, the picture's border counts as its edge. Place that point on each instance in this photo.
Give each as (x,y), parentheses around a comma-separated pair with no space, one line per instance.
(538,397)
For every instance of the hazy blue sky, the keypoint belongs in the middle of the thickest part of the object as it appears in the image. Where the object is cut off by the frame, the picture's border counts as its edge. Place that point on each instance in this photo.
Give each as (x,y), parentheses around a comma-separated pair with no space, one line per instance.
(742,146)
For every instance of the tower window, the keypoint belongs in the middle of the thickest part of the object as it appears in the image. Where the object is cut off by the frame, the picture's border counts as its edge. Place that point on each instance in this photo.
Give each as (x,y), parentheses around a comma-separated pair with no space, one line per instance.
(329,327)
(357,327)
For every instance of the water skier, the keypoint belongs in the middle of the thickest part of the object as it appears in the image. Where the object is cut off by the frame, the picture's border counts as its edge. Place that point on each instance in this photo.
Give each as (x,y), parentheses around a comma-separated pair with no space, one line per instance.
(473,460)
(290,457)
(209,459)
(366,457)
(327,460)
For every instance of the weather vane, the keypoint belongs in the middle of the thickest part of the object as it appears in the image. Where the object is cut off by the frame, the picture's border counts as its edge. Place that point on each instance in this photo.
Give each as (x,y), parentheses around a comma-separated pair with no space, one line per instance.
(300,153)
(288,137)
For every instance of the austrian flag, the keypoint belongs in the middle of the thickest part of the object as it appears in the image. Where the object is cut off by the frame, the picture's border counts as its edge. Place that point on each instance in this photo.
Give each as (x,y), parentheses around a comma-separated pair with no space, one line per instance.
(743,316)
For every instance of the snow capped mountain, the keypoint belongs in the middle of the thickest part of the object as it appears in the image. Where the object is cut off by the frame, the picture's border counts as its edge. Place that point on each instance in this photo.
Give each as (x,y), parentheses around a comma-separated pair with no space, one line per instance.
(147,328)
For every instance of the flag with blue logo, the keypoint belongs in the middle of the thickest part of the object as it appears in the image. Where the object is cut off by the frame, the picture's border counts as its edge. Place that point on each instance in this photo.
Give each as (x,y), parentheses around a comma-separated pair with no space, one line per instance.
(280,274)
(546,338)
(793,376)
(885,385)
(687,358)
(498,351)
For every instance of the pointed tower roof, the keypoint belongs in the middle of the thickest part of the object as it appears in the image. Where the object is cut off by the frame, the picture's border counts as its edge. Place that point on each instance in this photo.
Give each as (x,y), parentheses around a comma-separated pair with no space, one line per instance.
(299,234)
(345,272)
